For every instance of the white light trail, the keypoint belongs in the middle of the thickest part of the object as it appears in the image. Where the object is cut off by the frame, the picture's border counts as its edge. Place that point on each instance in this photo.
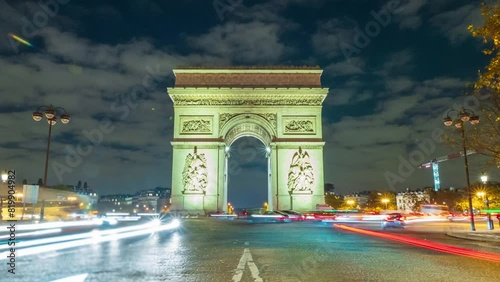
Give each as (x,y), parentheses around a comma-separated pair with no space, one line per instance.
(106,235)
(35,233)
(51,225)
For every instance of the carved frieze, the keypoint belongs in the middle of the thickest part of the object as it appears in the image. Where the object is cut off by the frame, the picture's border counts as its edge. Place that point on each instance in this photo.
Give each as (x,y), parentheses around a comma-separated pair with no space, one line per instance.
(220,101)
(195,173)
(196,124)
(225,117)
(300,173)
(299,125)
(248,128)
(270,117)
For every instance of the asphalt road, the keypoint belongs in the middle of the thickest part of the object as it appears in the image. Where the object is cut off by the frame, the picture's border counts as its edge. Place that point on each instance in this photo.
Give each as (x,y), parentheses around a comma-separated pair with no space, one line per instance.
(220,250)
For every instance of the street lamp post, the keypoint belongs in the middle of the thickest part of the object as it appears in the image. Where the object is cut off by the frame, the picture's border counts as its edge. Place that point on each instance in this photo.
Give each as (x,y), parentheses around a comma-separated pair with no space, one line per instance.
(484,179)
(5,176)
(51,116)
(459,120)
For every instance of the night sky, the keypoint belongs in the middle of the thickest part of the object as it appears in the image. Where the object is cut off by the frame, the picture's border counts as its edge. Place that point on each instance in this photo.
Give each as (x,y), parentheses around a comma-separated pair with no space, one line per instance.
(388,90)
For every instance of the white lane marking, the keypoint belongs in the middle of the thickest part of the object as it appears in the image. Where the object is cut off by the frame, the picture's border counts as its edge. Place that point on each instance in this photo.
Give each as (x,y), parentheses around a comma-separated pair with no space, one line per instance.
(245,259)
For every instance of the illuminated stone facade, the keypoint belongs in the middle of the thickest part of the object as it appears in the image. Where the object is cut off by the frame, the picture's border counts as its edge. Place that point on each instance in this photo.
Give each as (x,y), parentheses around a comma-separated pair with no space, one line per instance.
(280,106)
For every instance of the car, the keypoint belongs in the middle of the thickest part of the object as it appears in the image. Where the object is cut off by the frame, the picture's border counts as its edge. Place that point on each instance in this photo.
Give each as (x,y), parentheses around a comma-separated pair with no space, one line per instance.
(270,216)
(394,220)
(293,215)
(320,215)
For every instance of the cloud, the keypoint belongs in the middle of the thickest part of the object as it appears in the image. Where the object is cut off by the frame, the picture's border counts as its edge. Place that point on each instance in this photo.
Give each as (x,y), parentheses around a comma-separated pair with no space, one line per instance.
(410,17)
(398,62)
(87,79)
(344,67)
(374,142)
(399,84)
(453,24)
(329,35)
(253,42)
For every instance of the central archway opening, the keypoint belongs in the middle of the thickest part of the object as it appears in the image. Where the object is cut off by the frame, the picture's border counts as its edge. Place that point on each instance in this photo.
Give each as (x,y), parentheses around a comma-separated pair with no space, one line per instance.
(247,173)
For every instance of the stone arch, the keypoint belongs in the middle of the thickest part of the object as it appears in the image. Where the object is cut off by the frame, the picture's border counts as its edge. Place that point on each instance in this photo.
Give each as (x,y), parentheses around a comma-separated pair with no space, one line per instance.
(213,107)
(247,124)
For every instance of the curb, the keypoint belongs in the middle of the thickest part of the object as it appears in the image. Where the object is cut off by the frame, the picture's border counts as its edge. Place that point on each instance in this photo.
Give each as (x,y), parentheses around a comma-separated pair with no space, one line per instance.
(476,237)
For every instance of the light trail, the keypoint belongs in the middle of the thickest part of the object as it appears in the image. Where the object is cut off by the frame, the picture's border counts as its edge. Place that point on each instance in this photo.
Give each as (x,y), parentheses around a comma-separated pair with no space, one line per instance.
(425,244)
(34,233)
(15,37)
(51,225)
(69,241)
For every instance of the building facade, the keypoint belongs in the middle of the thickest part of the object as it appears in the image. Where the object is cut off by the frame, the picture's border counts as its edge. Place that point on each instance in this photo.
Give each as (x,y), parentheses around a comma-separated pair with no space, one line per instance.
(411,200)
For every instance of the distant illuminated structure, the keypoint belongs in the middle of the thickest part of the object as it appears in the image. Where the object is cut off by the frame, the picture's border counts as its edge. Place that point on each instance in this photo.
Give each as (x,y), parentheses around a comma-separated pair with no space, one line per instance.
(280,106)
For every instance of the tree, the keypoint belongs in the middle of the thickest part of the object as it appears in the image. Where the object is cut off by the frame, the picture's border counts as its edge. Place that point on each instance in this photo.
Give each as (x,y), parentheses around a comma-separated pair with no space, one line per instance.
(374,200)
(79,185)
(25,182)
(490,33)
(485,137)
(329,188)
(85,186)
(40,182)
(334,201)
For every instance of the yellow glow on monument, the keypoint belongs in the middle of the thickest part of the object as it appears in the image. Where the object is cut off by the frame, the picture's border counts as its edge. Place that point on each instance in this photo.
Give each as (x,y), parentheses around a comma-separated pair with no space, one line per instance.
(280,117)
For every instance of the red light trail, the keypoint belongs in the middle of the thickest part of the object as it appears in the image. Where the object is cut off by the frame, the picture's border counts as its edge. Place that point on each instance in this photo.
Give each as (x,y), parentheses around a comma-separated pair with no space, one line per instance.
(426,244)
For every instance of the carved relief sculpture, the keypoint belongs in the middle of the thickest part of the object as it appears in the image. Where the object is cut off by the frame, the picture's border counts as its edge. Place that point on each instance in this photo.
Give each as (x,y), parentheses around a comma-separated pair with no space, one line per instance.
(224,117)
(271,118)
(299,126)
(300,173)
(195,173)
(216,101)
(197,126)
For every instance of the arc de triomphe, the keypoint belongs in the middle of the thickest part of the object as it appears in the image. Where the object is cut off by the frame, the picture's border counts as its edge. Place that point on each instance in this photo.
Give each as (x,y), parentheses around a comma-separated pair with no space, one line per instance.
(280,106)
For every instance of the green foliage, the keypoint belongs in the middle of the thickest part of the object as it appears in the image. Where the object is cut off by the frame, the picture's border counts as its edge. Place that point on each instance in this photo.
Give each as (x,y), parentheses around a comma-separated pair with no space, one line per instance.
(485,137)
(374,201)
(334,201)
(490,34)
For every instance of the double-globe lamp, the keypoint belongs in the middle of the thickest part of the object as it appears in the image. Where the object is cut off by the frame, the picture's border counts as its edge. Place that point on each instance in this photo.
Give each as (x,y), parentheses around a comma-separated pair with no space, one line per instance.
(50,113)
(461,117)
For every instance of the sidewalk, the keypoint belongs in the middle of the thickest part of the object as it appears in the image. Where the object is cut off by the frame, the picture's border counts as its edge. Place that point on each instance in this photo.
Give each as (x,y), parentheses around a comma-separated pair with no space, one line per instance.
(478,235)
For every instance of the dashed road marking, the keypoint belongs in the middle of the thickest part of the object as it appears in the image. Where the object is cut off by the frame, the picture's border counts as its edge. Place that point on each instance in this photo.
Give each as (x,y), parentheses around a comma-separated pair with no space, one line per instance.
(245,259)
